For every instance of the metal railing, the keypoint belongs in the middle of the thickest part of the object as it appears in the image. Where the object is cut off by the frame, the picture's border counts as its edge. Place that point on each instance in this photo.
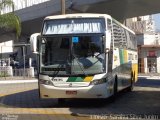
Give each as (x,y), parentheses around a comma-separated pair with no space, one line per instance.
(22,72)
(10,73)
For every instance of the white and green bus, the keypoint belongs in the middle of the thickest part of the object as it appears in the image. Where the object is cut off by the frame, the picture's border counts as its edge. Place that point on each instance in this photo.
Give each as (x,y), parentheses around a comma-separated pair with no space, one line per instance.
(84,56)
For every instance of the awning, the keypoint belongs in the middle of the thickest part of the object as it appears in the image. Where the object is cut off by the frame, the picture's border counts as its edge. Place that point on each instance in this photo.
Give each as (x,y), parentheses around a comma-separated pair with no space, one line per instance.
(149,46)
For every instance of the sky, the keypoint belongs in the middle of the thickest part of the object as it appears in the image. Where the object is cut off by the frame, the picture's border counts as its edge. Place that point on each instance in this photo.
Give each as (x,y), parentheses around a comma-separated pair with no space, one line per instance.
(156,18)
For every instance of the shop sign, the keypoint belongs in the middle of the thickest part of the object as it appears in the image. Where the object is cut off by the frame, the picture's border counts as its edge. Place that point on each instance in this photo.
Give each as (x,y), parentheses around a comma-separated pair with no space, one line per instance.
(151,53)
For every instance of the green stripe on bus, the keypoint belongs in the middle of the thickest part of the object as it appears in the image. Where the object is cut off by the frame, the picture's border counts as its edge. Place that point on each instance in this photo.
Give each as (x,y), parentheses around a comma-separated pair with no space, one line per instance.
(75,79)
(121,55)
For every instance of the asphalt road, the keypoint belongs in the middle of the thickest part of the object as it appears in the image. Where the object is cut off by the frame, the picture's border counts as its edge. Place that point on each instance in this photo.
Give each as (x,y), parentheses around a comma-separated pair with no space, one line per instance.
(21,102)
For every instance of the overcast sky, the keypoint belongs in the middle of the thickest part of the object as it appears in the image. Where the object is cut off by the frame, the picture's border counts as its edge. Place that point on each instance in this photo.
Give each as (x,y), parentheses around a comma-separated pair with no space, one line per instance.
(156,17)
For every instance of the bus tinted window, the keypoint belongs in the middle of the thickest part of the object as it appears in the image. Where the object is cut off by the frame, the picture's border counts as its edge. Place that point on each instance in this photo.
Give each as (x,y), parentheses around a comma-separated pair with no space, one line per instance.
(131,41)
(119,36)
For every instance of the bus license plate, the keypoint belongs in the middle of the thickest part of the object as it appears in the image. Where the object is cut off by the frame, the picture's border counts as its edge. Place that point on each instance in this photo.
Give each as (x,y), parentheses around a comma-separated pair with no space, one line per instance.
(71,92)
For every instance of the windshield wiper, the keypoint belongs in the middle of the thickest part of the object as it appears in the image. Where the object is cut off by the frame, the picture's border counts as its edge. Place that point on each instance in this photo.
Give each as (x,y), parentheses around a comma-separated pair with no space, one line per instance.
(79,64)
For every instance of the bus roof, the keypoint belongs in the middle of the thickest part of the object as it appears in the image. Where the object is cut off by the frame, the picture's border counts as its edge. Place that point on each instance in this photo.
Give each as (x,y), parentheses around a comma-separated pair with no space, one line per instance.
(86,15)
(78,15)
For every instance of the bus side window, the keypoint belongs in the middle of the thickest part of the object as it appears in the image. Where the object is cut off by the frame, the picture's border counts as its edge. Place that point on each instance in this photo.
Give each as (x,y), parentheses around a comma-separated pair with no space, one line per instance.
(119,36)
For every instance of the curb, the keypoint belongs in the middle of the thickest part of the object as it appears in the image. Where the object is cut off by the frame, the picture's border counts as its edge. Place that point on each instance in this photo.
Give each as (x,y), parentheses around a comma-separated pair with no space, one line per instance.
(149,77)
(17,81)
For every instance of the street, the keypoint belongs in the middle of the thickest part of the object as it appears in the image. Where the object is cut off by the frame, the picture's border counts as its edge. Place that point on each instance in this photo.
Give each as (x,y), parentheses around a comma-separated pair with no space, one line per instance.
(20,101)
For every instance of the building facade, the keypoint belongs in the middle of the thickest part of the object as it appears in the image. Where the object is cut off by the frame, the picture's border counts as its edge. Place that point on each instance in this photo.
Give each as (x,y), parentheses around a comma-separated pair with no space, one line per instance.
(32,13)
(148,44)
(148,53)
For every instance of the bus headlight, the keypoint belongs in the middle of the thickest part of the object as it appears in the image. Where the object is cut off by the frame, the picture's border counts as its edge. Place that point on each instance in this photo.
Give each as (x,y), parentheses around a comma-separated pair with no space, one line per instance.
(100,81)
(45,82)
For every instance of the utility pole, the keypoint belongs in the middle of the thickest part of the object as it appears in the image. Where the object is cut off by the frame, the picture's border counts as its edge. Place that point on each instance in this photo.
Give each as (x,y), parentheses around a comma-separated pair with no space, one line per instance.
(63,7)
(24,60)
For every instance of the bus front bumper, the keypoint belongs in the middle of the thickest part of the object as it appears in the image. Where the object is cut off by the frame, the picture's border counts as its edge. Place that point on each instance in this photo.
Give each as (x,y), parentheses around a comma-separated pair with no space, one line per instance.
(92,91)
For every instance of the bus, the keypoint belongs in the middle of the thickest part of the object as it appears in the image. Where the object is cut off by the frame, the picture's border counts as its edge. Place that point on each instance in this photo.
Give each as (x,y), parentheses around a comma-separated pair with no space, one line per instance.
(84,56)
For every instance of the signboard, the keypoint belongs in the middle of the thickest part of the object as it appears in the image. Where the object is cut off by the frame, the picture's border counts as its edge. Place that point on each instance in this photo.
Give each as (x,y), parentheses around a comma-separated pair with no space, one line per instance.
(74,26)
(151,53)
(75,39)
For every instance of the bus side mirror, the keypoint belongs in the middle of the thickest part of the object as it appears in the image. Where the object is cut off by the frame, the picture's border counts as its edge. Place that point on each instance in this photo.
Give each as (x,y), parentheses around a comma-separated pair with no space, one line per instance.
(34,42)
(107,50)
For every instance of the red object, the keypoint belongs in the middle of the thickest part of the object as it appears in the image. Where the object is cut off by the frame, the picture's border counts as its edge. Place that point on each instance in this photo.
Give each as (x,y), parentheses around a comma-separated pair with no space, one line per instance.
(71,92)
(152,53)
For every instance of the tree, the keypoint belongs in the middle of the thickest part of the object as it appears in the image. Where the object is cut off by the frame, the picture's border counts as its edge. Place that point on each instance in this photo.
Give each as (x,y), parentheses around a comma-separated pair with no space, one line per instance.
(9,20)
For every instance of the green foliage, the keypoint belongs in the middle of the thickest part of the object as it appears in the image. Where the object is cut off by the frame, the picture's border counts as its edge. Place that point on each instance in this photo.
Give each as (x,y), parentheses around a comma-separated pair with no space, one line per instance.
(6,3)
(3,74)
(9,20)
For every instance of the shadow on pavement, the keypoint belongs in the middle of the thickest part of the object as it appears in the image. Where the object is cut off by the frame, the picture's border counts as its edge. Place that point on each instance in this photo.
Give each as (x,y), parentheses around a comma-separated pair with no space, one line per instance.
(140,102)
(143,82)
(26,99)
(136,102)
(30,99)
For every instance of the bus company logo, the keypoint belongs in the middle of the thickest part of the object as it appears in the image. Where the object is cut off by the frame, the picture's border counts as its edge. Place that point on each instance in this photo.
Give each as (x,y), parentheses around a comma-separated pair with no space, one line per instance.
(70,84)
(57,79)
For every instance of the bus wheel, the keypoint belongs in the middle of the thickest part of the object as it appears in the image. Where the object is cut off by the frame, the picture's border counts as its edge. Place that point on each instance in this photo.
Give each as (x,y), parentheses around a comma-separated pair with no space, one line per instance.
(115,87)
(132,81)
(113,97)
(61,100)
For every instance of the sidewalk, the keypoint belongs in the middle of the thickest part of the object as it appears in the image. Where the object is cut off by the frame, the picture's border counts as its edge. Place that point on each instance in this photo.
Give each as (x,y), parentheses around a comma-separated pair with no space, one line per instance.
(149,75)
(17,78)
(10,80)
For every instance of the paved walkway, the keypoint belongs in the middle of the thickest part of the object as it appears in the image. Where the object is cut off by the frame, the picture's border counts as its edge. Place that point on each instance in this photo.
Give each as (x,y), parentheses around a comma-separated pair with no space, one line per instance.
(13,80)
(21,102)
(148,74)
(18,81)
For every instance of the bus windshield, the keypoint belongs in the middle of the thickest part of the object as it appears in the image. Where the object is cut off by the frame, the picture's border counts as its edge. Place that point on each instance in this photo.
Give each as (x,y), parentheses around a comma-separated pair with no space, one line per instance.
(72,55)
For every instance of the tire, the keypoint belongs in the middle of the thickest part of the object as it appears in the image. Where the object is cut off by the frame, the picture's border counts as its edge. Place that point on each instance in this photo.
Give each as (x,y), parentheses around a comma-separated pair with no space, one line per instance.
(132,82)
(115,89)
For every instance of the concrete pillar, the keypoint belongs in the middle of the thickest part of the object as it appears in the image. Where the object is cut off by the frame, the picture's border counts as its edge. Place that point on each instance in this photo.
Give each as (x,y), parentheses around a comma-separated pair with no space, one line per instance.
(9,71)
(30,62)
(158,61)
(146,70)
(31,71)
